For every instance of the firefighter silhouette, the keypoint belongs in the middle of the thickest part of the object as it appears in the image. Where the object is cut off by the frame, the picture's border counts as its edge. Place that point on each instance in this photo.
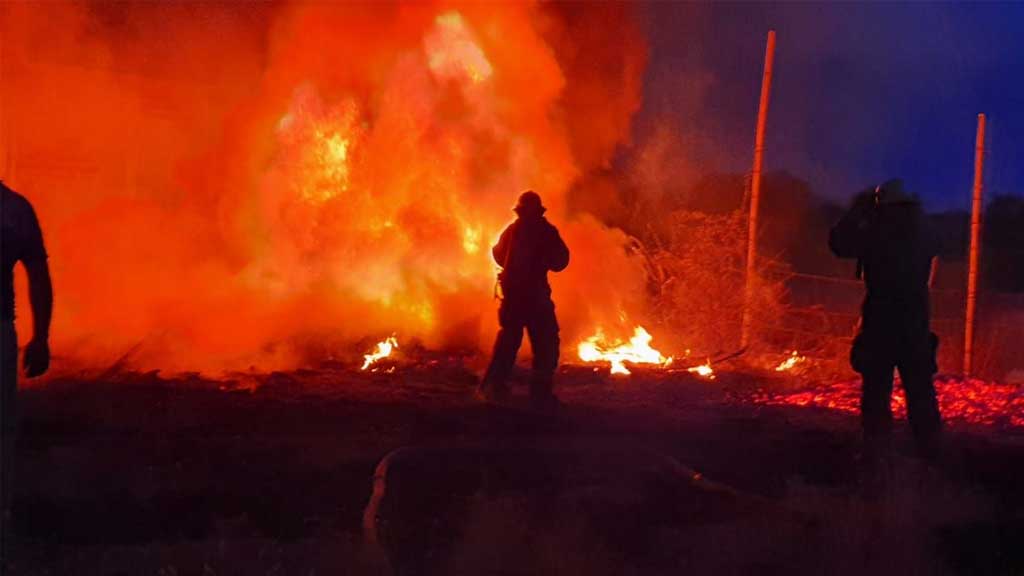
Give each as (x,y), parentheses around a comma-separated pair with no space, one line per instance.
(886,230)
(528,249)
(21,241)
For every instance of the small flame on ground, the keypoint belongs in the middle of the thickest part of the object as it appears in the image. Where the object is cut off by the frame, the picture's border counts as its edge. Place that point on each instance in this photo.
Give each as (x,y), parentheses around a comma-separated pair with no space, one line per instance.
(787,364)
(704,371)
(383,350)
(637,351)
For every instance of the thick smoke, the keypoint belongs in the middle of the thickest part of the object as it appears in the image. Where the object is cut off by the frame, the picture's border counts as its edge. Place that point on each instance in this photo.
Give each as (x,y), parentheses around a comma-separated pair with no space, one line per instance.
(223,186)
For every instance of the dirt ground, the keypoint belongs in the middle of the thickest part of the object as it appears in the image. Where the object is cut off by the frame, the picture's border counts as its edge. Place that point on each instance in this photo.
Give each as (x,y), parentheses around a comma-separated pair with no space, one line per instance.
(270,474)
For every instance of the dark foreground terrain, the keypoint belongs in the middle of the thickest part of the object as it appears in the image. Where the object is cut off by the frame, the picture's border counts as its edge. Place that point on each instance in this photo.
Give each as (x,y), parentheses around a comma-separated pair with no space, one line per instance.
(652,474)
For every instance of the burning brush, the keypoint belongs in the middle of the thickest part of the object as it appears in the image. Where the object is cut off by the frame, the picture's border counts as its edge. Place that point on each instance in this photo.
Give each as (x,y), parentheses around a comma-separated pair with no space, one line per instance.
(704,371)
(789,363)
(383,350)
(637,351)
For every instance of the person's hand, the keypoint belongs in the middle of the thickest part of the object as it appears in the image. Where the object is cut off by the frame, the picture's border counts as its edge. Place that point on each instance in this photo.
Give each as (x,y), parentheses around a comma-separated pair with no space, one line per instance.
(37,358)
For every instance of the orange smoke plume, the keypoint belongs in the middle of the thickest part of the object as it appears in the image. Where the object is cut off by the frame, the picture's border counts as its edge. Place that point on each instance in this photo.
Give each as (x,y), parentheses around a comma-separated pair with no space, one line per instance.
(224,187)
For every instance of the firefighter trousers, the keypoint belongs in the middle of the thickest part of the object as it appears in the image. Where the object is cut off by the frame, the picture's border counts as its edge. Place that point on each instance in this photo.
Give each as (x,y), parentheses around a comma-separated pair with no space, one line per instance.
(876,354)
(537,318)
(8,430)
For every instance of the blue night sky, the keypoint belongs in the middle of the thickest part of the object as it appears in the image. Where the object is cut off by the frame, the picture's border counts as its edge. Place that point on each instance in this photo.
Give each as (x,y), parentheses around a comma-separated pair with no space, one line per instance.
(861,93)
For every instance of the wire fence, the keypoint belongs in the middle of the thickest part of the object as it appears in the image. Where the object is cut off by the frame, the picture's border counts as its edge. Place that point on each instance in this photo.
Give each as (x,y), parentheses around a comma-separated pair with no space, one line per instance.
(823,312)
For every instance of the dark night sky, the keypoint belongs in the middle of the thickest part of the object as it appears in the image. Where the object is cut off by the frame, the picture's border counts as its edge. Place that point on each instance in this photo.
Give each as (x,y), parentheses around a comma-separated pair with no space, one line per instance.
(862,92)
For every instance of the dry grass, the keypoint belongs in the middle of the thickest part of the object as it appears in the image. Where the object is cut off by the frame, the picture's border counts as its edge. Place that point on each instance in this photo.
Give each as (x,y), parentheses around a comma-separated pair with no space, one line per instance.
(697,280)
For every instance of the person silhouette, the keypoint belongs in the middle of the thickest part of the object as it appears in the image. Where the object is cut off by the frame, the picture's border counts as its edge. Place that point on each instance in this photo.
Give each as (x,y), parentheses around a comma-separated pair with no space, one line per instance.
(527,250)
(22,241)
(886,230)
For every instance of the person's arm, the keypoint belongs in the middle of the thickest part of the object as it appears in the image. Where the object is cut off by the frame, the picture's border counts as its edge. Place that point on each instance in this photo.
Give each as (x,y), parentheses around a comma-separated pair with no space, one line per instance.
(848,239)
(558,252)
(40,293)
(40,290)
(500,250)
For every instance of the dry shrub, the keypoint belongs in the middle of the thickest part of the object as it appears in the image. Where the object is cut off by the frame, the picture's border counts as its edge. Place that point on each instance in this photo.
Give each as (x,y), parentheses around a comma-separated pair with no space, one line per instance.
(697,276)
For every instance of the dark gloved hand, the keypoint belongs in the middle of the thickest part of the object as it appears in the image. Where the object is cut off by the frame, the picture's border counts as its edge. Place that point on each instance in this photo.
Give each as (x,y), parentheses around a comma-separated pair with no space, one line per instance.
(37,358)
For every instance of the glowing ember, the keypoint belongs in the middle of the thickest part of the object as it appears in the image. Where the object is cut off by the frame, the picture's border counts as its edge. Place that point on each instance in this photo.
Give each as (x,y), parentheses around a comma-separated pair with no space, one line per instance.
(384,349)
(790,362)
(968,400)
(637,351)
(704,371)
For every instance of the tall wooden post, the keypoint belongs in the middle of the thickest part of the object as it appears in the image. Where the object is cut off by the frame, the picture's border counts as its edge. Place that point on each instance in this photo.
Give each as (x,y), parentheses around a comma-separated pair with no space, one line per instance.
(972,272)
(755,189)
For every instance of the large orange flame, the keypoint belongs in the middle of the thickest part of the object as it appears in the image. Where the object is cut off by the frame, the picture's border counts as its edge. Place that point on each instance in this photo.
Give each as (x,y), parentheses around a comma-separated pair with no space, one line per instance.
(259,185)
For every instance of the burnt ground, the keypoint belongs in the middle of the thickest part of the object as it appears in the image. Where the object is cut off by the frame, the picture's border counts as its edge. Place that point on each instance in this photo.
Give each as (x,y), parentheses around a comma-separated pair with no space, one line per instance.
(270,474)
